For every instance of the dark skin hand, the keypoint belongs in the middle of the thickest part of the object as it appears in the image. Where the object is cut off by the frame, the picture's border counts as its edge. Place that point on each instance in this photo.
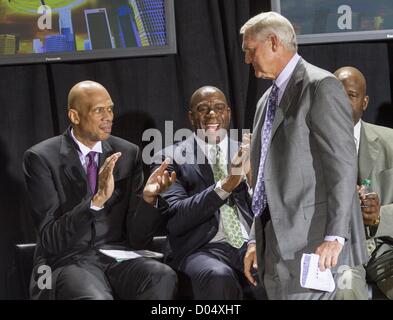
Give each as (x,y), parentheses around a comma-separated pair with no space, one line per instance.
(240,165)
(371,207)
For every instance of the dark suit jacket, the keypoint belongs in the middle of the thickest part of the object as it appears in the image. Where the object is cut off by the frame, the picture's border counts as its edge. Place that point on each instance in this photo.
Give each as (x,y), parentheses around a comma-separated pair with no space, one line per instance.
(194,206)
(60,200)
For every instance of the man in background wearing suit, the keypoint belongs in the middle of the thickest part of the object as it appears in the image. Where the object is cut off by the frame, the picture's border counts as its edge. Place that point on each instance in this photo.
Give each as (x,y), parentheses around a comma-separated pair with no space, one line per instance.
(79,210)
(374,145)
(303,163)
(210,213)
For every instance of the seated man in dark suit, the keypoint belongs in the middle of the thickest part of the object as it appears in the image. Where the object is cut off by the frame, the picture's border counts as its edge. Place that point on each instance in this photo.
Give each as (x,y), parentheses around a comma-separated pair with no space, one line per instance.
(374,145)
(79,210)
(210,213)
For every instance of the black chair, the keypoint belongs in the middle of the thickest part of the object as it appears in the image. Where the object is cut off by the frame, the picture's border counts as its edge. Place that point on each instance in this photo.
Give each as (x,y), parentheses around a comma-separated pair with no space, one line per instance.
(374,293)
(24,254)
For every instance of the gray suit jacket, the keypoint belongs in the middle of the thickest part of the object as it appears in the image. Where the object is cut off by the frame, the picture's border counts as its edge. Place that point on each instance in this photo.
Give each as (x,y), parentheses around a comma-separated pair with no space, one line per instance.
(376,164)
(311,167)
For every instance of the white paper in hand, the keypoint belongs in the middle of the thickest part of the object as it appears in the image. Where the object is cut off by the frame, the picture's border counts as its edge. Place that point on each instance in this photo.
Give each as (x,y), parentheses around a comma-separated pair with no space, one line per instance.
(313,278)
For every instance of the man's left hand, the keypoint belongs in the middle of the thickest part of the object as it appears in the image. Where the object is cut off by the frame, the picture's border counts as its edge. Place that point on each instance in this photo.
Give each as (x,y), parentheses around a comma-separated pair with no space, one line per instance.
(158,182)
(370,208)
(328,253)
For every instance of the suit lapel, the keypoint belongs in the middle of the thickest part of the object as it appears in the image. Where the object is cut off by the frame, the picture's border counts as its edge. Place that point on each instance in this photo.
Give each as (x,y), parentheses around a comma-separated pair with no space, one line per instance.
(256,137)
(107,151)
(71,164)
(203,168)
(292,91)
(194,156)
(368,151)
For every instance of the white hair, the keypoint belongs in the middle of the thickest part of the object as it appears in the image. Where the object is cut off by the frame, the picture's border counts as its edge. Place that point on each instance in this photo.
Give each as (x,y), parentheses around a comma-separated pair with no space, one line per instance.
(267,23)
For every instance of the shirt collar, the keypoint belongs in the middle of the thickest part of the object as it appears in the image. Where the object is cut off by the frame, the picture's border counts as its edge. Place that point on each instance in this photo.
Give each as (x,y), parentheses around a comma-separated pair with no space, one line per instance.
(84,149)
(223,145)
(356,134)
(283,78)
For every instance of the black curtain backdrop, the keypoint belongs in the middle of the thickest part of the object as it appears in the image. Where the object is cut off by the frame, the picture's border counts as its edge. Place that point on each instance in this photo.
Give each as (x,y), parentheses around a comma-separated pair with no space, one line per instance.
(149,91)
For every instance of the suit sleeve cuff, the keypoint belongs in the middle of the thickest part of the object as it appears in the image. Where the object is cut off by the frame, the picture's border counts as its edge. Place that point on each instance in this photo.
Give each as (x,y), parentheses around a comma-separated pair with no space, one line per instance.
(95,208)
(221,192)
(340,240)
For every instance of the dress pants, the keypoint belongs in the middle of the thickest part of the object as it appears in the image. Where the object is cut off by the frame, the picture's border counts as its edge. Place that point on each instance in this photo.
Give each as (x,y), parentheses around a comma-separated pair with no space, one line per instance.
(281,278)
(98,277)
(215,272)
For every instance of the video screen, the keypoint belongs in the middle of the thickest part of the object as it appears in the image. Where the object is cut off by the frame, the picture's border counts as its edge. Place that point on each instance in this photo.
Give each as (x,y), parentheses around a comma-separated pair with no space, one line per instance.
(321,16)
(29,27)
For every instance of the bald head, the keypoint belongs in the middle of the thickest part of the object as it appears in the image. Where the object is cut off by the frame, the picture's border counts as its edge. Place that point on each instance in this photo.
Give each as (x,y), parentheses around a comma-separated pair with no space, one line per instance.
(355,86)
(205,92)
(79,93)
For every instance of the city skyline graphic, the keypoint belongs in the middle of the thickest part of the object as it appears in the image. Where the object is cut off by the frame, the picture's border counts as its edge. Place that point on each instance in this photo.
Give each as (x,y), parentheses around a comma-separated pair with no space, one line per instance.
(81,25)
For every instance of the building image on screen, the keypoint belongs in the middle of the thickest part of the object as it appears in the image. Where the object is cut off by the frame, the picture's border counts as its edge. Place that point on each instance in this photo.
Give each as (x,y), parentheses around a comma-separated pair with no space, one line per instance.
(98,29)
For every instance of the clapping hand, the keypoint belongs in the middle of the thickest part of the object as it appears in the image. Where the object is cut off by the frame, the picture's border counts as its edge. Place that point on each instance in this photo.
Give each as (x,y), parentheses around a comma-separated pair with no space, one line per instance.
(240,165)
(106,182)
(158,182)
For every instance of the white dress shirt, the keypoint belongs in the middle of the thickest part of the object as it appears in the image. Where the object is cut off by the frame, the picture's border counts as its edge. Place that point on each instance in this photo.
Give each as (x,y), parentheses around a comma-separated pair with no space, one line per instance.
(82,153)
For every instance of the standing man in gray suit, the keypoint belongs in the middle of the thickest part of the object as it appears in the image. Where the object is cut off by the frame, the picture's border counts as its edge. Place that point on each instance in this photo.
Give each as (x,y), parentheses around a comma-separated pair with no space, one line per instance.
(375,160)
(303,162)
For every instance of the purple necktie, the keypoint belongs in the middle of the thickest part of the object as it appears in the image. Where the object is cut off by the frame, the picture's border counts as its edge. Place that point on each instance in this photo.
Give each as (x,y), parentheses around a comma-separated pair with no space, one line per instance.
(92,171)
(259,199)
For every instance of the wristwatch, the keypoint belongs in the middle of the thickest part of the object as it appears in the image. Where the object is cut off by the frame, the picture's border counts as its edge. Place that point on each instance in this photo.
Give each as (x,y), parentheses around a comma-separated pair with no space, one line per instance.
(376,221)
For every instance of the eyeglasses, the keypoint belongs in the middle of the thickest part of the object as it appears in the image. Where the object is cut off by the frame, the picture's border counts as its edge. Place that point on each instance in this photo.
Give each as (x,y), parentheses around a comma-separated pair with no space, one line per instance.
(217,108)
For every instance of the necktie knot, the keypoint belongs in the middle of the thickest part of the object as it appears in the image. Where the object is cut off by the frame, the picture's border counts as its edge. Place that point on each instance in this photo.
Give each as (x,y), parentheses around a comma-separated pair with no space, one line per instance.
(91,155)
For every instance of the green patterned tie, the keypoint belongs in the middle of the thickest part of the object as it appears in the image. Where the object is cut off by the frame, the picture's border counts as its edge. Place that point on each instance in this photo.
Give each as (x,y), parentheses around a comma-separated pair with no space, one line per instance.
(228,212)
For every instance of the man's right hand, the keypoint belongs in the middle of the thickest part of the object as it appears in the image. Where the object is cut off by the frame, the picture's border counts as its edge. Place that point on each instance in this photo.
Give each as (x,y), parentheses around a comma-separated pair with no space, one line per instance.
(240,166)
(106,183)
(250,262)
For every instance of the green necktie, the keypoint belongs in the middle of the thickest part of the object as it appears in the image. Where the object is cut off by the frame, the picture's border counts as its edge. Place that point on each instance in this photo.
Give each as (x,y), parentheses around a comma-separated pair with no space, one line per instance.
(228,212)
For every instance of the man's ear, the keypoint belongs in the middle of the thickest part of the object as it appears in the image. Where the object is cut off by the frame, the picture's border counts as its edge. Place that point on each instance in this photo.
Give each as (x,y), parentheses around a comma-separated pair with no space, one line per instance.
(275,42)
(73,116)
(365,103)
(190,118)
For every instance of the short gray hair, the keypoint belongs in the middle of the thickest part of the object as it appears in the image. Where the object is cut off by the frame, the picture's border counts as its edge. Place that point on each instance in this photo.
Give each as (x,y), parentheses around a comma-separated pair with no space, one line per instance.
(271,22)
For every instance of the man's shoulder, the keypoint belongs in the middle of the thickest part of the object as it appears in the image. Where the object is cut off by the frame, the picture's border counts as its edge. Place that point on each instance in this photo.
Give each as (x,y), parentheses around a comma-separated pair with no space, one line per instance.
(119,143)
(47,146)
(383,133)
(178,146)
(316,74)
(181,152)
